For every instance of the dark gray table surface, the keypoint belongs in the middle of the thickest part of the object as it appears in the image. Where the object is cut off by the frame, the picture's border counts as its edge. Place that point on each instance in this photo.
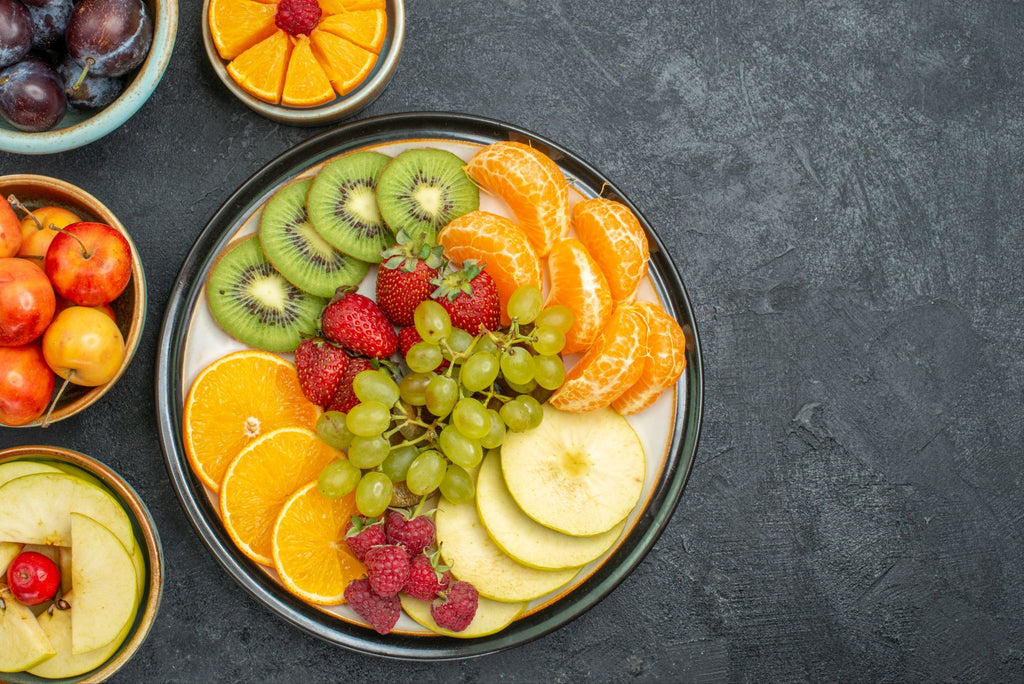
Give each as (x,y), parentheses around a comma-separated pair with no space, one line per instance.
(841,186)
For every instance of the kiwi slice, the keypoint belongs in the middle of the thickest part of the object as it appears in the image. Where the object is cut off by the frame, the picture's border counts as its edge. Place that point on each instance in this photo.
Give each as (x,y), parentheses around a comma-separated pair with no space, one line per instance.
(342,204)
(255,304)
(295,249)
(422,189)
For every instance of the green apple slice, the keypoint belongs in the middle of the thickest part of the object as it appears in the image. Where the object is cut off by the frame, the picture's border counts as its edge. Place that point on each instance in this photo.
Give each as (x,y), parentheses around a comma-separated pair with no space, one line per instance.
(491,616)
(8,552)
(524,539)
(139,562)
(57,625)
(473,557)
(23,644)
(80,473)
(10,470)
(103,578)
(578,473)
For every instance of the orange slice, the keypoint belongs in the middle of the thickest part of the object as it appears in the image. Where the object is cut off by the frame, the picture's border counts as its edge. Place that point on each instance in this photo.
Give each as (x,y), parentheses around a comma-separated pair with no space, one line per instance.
(578,283)
(237,25)
(365,28)
(616,240)
(531,184)
(611,366)
(260,480)
(260,69)
(305,83)
(500,244)
(338,6)
(309,547)
(234,400)
(665,362)
(345,63)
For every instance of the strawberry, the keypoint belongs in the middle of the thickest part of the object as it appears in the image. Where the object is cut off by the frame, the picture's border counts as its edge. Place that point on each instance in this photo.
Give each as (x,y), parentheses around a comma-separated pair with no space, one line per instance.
(362,534)
(382,613)
(357,323)
(405,277)
(427,578)
(344,397)
(455,608)
(470,297)
(320,366)
(387,568)
(412,532)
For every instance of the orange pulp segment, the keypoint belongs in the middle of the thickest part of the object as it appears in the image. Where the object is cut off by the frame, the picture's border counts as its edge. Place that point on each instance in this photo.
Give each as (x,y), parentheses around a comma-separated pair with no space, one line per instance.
(616,240)
(309,549)
(260,480)
(237,25)
(260,69)
(611,366)
(365,28)
(235,400)
(345,63)
(500,244)
(338,6)
(305,83)
(665,362)
(531,184)
(578,283)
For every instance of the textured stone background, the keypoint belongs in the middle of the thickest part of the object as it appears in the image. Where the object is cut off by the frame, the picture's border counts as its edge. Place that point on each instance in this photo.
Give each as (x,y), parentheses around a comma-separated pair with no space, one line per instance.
(841,186)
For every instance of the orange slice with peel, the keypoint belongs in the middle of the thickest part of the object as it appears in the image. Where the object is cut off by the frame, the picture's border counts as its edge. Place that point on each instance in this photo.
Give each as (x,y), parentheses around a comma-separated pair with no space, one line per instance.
(345,63)
(305,83)
(616,240)
(237,25)
(578,282)
(665,362)
(262,478)
(338,6)
(260,70)
(366,28)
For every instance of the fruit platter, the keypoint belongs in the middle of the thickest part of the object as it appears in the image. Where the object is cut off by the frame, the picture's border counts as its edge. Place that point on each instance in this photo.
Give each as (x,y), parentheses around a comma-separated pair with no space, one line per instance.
(435,468)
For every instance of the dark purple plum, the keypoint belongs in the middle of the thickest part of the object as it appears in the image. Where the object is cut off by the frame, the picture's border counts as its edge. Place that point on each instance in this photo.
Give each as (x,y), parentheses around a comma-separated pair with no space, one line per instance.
(109,37)
(49,22)
(32,95)
(37,3)
(15,32)
(89,93)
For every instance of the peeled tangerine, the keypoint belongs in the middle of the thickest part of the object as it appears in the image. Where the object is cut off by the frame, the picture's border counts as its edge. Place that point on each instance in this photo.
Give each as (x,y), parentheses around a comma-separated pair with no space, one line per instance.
(578,283)
(616,240)
(665,361)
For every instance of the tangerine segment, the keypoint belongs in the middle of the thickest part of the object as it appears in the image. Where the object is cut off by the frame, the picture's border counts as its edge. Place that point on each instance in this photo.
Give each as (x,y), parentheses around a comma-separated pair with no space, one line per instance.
(665,362)
(338,6)
(305,83)
(235,400)
(260,480)
(500,244)
(611,366)
(616,240)
(260,69)
(237,25)
(578,283)
(309,549)
(365,28)
(346,64)
(531,184)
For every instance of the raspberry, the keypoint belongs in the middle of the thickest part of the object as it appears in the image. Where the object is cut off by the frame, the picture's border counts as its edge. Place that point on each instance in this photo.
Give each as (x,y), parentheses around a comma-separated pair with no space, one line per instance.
(427,579)
(297,16)
(361,534)
(455,609)
(387,568)
(415,533)
(382,613)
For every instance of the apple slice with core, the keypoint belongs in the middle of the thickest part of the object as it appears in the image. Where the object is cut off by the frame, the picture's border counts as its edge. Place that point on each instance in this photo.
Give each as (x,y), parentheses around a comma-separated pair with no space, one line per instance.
(23,644)
(57,625)
(491,616)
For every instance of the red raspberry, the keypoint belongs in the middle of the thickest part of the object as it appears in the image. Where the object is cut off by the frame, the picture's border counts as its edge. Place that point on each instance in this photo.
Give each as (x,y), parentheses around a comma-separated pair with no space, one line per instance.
(382,613)
(387,568)
(361,534)
(414,533)
(297,16)
(455,609)
(427,579)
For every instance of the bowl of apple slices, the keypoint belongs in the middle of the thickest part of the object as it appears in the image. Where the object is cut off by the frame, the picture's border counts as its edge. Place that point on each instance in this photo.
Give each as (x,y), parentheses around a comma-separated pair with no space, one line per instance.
(81,567)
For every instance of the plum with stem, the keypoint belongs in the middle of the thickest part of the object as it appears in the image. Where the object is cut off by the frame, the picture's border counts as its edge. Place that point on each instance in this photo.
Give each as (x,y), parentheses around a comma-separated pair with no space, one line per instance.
(109,37)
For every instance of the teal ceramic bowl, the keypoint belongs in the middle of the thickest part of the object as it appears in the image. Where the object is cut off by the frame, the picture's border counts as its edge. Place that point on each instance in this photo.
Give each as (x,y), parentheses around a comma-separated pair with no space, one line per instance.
(81,128)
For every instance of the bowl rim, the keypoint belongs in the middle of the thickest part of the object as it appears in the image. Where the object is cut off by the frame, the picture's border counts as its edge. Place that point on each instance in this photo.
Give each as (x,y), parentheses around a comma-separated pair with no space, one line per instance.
(137,283)
(339,108)
(92,128)
(142,518)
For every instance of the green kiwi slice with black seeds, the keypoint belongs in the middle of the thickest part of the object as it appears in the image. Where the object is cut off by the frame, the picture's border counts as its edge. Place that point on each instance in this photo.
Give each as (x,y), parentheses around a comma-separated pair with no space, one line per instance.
(257,305)
(295,249)
(422,189)
(342,204)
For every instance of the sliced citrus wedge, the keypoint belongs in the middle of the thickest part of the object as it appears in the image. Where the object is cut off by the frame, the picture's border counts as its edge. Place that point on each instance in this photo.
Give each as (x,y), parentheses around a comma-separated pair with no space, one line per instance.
(366,28)
(305,83)
(616,240)
(337,6)
(237,25)
(578,283)
(345,63)
(664,363)
(260,70)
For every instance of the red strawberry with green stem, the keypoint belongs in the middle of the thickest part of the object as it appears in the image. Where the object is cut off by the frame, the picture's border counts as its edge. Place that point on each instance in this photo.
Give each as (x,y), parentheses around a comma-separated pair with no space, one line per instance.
(357,323)
(320,366)
(406,277)
(344,396)
(469,296)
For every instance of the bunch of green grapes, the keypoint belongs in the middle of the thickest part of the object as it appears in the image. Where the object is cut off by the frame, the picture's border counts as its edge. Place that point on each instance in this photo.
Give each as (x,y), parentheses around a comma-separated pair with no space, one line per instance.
(461,396)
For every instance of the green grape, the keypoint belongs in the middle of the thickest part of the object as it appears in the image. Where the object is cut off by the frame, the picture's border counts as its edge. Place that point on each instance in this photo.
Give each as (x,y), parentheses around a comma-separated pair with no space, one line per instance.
(441,393)
(536,413)
(375,385)
(413,388)
(396,465)
(485,344)
(525,303)
(432,321)
(548,340)
(479,371)
(368,452)
(331,428)
(373,494)
(460,449)
(457,486)
(516,415)
(548,371)
(471,418)
(524,388)
(458,341)
(517,365)
(496,434)
(425,472)
(559,317)
(423,357)
(368,419)
(338,478)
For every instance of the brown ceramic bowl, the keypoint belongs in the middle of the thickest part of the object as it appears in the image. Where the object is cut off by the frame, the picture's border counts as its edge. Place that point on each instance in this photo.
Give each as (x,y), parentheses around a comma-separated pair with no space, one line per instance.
(145,532)
(129,308)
